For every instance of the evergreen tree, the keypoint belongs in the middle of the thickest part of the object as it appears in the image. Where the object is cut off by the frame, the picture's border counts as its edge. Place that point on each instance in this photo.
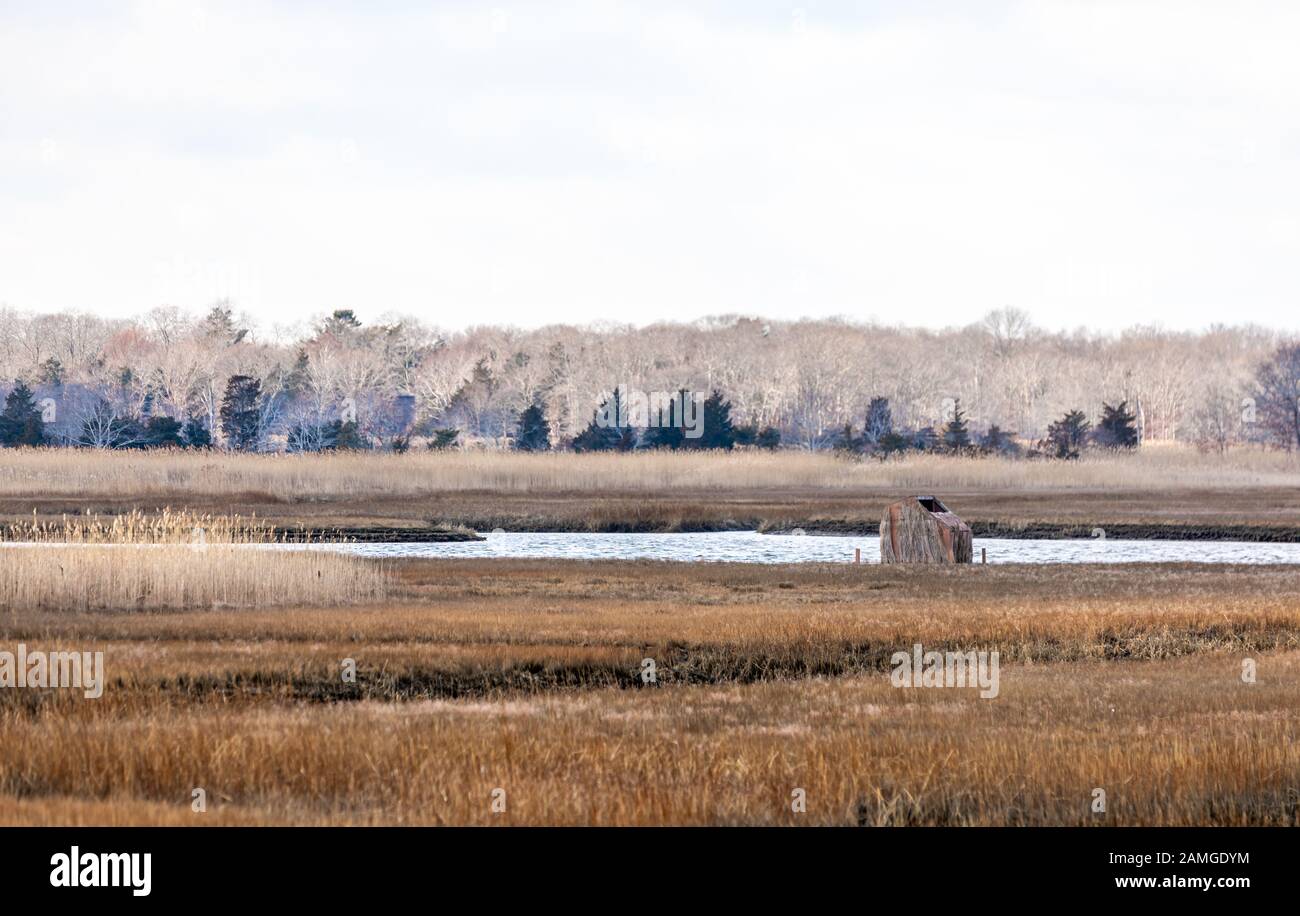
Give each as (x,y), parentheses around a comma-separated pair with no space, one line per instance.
(344,436)
(444,439)
(606,431)
(1117,427)
(751,436)
(718,432)
(197,434)
(670,433)
(891,443)
(534,432)
(21,423)
(342,321)
(220,323)
(925,439)
(1066,437)
(298,379)
(476,404)
(769,437)
(669,436)
(51,373)
(163,432)
(956,435)
(846,441)
(997,441)
(1277,392)
(240,418)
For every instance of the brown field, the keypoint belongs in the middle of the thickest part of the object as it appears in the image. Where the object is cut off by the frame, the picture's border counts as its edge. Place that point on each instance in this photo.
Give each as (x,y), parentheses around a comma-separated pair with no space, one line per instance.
(655,491)
(524,676)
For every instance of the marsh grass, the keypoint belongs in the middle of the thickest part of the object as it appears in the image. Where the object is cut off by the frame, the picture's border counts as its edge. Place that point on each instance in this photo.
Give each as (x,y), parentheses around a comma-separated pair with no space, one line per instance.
(1173,743)
(98,577)
(90,474)
(522,675)
(135,527)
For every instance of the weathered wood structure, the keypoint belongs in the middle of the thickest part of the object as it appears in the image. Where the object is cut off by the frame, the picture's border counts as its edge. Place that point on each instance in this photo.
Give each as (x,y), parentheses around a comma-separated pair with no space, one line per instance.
(922,530)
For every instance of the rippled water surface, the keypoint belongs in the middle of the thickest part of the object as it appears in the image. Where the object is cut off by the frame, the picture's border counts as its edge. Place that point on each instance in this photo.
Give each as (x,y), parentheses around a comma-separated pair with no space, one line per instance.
(751,547)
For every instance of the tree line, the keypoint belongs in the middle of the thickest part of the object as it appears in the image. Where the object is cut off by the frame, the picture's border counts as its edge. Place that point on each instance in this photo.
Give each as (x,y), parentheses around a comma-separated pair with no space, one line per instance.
(999,385)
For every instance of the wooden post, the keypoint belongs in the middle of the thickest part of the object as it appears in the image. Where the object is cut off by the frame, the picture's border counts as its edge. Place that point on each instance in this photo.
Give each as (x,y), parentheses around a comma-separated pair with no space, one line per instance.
(984,554)
(857,554)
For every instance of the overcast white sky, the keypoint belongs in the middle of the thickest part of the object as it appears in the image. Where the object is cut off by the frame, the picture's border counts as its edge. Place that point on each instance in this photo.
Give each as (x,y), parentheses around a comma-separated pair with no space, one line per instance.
(919,162)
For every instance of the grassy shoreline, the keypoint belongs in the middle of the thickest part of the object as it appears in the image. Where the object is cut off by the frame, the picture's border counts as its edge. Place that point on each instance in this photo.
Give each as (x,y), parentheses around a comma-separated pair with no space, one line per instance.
(1218,516)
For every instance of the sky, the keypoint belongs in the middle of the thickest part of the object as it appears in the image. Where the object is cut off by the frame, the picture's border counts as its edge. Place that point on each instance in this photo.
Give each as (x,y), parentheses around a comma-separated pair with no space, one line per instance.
(1090,163)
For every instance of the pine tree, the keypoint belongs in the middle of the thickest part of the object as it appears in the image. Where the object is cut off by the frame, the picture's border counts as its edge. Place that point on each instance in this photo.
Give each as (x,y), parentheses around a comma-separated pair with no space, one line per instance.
(345,436)
(891,443)
(1117,427)
(751,436)
(240,419)
(718,432)
(997,441)
(667,436)
(299,377)
(769,437)
(1067,435)
(956,436)
(51,373)
(605,432)
(534,432)
(162,432)
(220,323)
(342,324)
(197,434)
(21,423)
(670,432)
(444,439)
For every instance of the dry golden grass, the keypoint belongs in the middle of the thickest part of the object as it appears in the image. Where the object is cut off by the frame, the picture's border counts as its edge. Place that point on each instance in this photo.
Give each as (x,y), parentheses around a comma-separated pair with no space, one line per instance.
(1248,494)
(475,620)
(135,527)
(522,675)
(44,473)
(92,577)
(1175,742)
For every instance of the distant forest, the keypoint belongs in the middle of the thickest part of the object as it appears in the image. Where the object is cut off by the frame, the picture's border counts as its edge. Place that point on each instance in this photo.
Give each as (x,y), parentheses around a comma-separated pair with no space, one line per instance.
(170,379)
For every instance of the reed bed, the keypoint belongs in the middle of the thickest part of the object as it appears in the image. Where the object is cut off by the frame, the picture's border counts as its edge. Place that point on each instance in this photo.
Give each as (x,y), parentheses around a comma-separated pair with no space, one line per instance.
(135,527)
(96,577)
(89,474)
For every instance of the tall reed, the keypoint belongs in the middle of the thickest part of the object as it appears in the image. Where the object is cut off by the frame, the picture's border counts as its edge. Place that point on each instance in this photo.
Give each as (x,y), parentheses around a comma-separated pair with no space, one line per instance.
(166,527)
(92,577)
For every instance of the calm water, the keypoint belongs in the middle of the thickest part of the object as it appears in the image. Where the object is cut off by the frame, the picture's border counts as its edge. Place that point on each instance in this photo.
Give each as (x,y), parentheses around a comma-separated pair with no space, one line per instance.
(751,547)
